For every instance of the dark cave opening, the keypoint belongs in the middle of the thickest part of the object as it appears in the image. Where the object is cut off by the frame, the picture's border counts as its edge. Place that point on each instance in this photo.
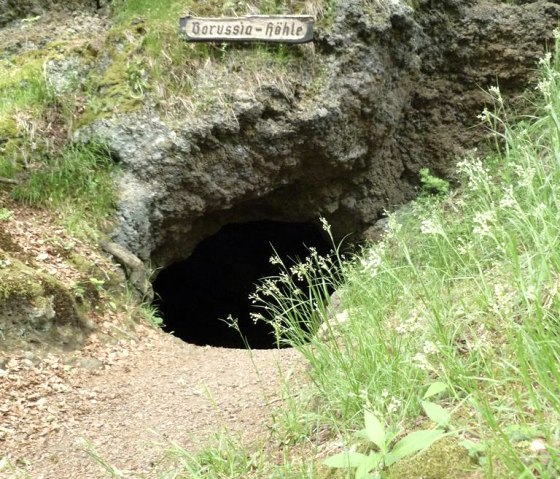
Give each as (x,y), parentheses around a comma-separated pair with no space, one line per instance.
(194,296)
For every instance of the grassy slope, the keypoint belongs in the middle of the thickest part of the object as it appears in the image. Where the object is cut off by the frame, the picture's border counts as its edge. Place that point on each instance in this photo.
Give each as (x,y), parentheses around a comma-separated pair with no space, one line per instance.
(463,292)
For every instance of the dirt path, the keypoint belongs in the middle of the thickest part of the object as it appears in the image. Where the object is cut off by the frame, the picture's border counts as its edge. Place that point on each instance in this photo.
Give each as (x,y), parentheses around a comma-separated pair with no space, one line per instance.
(130,401)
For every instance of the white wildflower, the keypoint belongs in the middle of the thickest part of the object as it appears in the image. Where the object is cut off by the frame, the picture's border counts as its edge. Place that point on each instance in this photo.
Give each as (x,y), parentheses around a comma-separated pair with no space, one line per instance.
(478,340)
(429,226)
(464,247)
(482,340)
(496,94)
(484,116)
(364,396)
(299,270)
(503,300)
(540,208)
(412,324)
(429,348)
(538,446)
(531,293)
(393,227)
(401,328)
(544,61)
(477,174)
(421,361)
(508,200)
(525,175)
(483,222)
(544,86)
(371,261)
(394,405)
(256,317)
(267,288)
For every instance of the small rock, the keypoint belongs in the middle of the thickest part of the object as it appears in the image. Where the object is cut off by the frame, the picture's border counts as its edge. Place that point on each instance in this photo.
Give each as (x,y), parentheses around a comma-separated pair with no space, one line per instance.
(90,363)
(538,446)
(29,356)
(27,363)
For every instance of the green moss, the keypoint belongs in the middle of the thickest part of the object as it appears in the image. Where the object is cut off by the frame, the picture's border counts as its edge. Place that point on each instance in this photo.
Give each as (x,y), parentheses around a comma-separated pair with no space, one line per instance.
(24,97)
(119,87)
(38,309)
(10,145)
(67,311)
(170,10)
(111,281)
(17,280)
(8,128)
(7,244)
(446,459)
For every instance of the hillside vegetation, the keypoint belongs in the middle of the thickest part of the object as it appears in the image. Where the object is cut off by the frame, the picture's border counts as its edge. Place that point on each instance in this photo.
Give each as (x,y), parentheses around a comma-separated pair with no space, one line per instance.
(445,345)
(52,82)
(448,328)
(463,290)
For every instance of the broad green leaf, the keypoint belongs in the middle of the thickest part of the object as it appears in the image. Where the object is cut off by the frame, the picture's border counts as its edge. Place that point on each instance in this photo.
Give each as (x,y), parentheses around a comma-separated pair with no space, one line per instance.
(473,448)
(435,388)
(362,473)
(415,442)
(436,413)
(375,430)
(345,459)
(361,434)
(391,434)
(370,462)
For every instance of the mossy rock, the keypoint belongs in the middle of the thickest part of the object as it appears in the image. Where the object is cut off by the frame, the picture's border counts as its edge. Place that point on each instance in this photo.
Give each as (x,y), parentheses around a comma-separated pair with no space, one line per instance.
(9,143)
(35,308)
(16,9)
(7,244)
(92,275)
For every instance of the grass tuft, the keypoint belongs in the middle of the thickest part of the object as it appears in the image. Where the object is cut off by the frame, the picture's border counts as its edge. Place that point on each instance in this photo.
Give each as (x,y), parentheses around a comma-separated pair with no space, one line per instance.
(77,182)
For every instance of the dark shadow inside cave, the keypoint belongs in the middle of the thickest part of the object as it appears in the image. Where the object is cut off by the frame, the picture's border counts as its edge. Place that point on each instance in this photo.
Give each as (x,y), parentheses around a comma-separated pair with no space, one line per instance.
(194,296)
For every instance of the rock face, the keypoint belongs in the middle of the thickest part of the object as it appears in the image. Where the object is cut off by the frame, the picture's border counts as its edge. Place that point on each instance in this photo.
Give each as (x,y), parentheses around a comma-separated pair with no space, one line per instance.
(14,9)
(36,309)
(389,90)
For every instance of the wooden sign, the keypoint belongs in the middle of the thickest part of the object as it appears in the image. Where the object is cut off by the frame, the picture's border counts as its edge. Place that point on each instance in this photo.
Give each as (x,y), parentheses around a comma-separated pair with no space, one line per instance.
(274,28)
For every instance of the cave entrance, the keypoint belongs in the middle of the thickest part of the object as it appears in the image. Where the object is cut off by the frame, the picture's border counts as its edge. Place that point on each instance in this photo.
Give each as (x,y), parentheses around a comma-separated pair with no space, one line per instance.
(194,296)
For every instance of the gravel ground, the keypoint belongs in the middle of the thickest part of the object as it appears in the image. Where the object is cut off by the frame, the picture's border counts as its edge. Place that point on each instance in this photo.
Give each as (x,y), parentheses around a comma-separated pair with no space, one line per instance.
(129,401)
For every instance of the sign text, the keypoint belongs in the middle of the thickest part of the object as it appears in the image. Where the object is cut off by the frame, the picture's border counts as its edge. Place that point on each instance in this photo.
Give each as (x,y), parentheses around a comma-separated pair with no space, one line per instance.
(279,29)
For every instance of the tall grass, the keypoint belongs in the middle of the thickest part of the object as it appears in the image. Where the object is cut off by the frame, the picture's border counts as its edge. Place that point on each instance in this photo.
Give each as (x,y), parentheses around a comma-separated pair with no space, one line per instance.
(77,182)
(170,9)
(24,97)
(462,289)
